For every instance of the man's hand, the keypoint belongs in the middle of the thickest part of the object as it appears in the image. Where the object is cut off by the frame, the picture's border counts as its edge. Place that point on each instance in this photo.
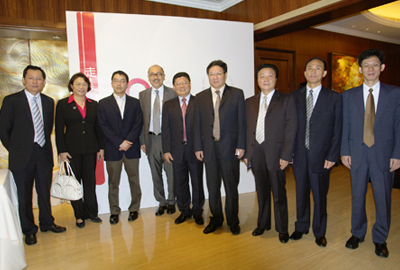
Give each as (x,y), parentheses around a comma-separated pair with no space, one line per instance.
(346,160)
(143,147)
(239,153)
(125,145)
(245,162)
(328,164)
(283,164)
(168,157)
(394,164)
(199,155)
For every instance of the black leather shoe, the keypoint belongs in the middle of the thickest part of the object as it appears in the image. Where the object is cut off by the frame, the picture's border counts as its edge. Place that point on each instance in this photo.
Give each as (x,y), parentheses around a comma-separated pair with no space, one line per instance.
(199,219)
(211,227)
(353,242)
(320,241)
(381,250)
(182,218)
(160,210)
(296,235)
(133,215)
(55,228)
(80,224)
(171,209)
(284,237)
(30,239)
(114,219)
(235,229)
(257,232)
(96,220)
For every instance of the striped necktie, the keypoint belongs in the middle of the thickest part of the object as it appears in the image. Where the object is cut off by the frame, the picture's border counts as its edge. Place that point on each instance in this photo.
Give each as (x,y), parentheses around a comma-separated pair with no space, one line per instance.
(260,133)
(156,115)
(310,107)
(216,126)
(38,123)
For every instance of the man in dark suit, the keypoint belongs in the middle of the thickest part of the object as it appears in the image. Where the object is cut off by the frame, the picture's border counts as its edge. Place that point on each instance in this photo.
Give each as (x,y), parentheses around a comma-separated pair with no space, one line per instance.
(26,122)
(219,141)
(371,148)
(316,150)
(177,142)
(151,101)
(271,130)
(121,120)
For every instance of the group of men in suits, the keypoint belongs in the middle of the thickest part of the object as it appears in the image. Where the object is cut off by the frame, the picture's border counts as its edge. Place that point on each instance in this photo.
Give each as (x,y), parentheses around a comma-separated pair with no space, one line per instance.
(179,132)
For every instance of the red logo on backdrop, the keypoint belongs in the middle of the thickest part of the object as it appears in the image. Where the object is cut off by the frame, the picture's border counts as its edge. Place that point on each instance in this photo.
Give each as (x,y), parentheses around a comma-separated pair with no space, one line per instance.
(88,66)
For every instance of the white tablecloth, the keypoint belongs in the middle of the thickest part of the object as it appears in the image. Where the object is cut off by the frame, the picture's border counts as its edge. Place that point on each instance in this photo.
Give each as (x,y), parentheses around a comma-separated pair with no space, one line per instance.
(12,253)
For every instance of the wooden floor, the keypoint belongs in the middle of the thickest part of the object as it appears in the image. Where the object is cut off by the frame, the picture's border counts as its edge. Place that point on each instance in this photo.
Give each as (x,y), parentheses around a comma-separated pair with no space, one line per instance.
(153,242)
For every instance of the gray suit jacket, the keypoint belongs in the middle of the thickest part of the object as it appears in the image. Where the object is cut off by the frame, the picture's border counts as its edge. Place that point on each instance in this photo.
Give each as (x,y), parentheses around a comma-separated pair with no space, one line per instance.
(145,103)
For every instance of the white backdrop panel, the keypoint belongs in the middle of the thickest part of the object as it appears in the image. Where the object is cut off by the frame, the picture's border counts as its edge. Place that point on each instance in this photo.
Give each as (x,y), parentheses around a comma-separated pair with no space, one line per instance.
(133,43)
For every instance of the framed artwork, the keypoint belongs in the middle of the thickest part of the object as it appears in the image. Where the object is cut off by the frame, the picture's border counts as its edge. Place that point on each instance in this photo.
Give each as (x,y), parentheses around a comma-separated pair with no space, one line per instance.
(345,74)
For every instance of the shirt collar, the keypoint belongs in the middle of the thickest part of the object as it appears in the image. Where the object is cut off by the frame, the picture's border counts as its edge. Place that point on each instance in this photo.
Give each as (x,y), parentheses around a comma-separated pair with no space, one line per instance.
(119,98)
(71,98)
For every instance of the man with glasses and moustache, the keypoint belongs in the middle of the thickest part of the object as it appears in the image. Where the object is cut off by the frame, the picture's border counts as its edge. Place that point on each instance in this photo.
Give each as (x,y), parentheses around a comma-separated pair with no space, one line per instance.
(151,101)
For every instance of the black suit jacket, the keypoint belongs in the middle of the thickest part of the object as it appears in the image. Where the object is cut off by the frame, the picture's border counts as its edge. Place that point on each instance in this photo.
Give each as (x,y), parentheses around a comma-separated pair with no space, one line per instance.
(116,129)
(325,128)
(172,129)
(17,131)
(280,128)
(232,117)
(74,134)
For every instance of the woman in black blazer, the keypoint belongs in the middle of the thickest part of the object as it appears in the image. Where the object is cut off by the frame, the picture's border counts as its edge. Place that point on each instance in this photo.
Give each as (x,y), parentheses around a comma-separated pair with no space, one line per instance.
(79,141)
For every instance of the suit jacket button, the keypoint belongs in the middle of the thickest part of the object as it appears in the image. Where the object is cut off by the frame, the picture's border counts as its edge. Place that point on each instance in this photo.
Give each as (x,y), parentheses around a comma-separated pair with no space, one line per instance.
(83,132)
(83,122)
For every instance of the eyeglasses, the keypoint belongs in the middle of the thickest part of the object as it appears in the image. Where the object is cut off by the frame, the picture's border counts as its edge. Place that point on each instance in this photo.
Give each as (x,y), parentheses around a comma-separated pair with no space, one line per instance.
(119,81)
(182,83)
(158,74)
(374,65)
(218,74)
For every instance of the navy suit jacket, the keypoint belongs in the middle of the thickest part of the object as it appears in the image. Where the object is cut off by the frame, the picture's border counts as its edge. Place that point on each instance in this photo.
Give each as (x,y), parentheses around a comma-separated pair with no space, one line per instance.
(325,129)
(172,129)
(17,131)
(232,115)
(280,128)
(116,129)
(386,129)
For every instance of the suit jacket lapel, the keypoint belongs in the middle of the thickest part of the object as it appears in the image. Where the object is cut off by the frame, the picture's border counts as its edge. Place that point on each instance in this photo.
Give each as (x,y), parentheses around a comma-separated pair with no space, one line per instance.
(114,105)
(273,101)
(227,92)
(178,108)
(321,101)
(209,99)
(359,101)
(190,106)
(382,101)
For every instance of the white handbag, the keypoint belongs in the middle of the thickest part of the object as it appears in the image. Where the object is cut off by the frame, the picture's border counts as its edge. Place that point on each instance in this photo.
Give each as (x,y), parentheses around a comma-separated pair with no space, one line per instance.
(65,186)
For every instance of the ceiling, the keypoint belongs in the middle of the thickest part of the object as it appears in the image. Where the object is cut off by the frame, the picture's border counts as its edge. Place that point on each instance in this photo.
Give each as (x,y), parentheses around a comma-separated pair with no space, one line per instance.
(213,5)
(381,23)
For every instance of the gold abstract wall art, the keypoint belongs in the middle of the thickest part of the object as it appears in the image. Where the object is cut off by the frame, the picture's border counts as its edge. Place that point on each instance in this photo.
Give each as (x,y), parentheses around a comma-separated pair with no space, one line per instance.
(345,74)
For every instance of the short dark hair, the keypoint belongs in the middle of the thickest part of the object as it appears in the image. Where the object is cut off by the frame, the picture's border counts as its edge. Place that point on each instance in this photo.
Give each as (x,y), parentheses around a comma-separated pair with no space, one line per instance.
(369,53)
(33,68)
(120,72)
(315,58)
(180,74)
(76,76)
(260,67)
(220,63)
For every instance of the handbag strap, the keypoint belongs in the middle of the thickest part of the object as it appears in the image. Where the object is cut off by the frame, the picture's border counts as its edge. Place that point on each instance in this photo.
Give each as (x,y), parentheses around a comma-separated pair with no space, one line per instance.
(69,170)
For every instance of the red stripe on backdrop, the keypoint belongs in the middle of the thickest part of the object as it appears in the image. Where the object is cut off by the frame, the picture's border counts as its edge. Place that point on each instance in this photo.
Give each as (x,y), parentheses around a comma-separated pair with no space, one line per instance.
(88,65)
